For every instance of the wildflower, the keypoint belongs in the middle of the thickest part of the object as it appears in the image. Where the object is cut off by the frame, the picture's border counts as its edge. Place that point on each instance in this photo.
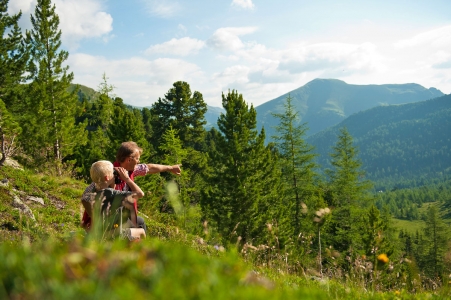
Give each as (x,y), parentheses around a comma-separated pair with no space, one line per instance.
(397,292)
(383,258)
(116,226)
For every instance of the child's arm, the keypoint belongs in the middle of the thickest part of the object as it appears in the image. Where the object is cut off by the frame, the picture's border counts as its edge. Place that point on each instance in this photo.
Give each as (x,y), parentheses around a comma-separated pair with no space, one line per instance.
(131,184)
(88,208)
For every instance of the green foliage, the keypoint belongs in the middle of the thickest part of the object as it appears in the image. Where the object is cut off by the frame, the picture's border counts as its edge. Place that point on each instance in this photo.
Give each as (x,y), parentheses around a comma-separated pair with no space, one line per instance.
(297,165)
(57,217)
(436,235)
(261,203)
(126,125)
(240,191)
(13,59)
(347,194)
(183,111)
(50,117)
(407,203)
(400,145)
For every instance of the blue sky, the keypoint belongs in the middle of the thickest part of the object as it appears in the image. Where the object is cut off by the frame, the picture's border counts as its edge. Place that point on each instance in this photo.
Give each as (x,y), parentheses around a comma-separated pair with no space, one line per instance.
(262,49)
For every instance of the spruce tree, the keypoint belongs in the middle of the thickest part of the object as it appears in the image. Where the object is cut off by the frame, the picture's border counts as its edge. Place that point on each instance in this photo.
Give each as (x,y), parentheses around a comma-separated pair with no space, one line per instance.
(126,125)
(348,194)
(52,110)
(14,56)
(174,153)
(297,162)
(376,237)
(182,110)
(13,59)
(242,185)
(435,243)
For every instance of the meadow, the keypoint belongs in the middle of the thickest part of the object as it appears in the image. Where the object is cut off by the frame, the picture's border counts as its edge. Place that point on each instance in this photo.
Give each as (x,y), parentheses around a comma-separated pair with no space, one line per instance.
(51,257)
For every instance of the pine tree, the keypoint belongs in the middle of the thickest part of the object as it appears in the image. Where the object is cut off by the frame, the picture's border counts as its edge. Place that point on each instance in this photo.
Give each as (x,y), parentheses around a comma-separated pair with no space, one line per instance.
(435,243)
(346,175)
(174,153)
(13,58)
(347,195)
(242,185)
(182,110)
(126,125)
(52,110)
(98,114)
(297,162)
(375,231)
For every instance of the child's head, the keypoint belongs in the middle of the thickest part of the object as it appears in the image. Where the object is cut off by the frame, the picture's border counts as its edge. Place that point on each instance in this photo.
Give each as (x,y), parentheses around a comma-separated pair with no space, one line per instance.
(100,169)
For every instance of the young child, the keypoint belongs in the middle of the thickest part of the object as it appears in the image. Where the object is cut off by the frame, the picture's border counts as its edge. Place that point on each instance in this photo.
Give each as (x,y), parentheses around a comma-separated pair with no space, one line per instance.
(110,206)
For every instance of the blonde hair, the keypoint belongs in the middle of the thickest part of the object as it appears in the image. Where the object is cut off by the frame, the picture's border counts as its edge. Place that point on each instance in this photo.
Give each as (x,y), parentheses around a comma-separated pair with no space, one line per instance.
(99,170)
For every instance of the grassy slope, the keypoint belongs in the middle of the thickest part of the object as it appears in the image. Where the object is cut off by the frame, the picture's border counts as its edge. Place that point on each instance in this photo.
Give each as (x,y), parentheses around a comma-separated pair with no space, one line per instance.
(61,262)
(417,225)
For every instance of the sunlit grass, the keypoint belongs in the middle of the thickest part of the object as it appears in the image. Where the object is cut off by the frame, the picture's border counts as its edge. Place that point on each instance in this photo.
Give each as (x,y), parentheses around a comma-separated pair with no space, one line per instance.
(53,258)
(409,226)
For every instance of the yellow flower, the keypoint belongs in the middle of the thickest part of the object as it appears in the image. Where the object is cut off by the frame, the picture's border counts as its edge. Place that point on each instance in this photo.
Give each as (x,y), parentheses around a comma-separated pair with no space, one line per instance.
(383,258)
(115,225)
(397,292)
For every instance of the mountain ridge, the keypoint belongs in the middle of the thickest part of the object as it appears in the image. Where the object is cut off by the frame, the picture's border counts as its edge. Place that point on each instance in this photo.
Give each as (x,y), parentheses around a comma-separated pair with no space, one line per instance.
(406,141)
(322,103)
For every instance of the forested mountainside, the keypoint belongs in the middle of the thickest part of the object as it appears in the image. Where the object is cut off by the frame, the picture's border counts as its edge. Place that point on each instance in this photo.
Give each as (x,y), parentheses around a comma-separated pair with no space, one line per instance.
(397,142)
(322,103)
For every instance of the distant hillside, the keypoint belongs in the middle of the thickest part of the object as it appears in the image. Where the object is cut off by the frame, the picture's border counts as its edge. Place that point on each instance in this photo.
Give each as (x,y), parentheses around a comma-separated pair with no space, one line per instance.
(212,116)
(322,103)
(397,142)
(84,91)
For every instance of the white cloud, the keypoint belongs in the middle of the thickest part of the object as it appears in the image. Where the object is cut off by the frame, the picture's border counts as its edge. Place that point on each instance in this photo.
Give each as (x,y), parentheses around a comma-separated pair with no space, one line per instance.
(137,80)
(441,60)
(184,46)
(79,19)
(350,58)
(439,37)
(162,8)
(227,38)
(234,74)
(246,4)
(25,5)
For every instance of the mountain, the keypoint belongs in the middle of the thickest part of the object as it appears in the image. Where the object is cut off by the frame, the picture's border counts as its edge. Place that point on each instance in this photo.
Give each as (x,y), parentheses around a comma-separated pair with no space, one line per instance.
(397,142)
(84,92)
(212,116)
(322,103)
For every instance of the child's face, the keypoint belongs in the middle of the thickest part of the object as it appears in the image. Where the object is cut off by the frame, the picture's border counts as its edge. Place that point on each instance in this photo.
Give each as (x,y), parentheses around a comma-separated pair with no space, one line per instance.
(110,179)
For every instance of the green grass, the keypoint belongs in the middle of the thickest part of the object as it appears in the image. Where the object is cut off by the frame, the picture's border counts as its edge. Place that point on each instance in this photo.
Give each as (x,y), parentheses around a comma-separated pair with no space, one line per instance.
(52,258)
(412,226)
(154,269)
(409,226)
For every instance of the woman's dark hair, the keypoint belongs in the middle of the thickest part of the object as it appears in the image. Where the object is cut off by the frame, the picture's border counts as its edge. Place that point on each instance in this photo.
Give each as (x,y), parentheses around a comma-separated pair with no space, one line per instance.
(126,150)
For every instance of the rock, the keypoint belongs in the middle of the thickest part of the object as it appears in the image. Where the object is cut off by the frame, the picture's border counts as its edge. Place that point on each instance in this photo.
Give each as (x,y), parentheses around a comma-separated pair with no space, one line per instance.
(4,182)
(12,163)
(36,199)
(23,208)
